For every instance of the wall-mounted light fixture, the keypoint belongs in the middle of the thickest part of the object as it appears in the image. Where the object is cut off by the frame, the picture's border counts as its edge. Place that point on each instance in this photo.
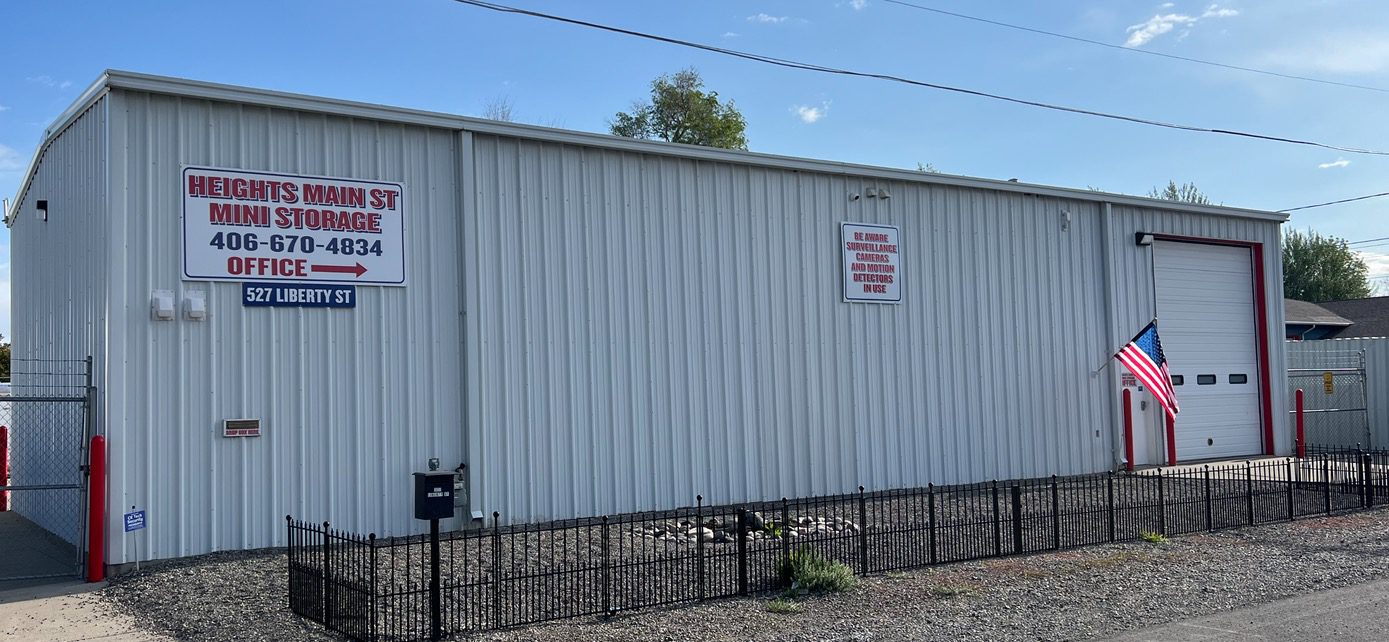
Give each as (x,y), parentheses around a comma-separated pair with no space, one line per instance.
(42,207)
(1143,238)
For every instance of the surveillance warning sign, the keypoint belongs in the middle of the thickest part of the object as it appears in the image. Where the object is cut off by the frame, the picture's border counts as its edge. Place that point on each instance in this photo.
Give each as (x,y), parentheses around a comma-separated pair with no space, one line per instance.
(259,226)
(871,268)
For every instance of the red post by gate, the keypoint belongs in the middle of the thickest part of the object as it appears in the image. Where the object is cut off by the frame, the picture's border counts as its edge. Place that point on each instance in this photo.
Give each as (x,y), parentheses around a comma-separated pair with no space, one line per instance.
(1171,439)
(1301,436)
(1128,429)
(96,512)
(4,467)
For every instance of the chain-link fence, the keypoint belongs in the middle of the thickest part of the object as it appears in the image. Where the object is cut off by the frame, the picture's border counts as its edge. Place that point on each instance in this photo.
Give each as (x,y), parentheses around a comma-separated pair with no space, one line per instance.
(44,428)
(1335,405)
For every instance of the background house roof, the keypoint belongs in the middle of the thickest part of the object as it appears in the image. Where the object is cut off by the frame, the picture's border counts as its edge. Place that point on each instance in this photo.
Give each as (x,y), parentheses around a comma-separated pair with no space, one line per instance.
(1306,313)
(1369,317)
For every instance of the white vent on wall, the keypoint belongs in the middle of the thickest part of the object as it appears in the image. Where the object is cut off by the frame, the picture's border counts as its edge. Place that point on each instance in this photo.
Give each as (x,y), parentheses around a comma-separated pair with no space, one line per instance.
(195,306)
(162,305)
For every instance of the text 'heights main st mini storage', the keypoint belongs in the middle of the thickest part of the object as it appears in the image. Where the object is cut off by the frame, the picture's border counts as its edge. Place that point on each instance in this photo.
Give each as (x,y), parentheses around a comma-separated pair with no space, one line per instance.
(294,302)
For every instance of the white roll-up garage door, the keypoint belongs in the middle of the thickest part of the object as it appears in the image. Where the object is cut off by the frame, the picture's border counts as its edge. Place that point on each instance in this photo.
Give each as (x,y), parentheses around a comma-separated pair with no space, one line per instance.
(1206,318)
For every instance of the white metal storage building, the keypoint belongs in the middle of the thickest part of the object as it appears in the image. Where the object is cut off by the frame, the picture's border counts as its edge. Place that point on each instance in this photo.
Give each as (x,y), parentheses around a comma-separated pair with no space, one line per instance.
(594,324)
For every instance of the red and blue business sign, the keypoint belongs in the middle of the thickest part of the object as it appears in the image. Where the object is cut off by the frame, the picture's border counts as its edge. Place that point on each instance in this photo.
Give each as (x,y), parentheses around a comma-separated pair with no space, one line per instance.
(242,225)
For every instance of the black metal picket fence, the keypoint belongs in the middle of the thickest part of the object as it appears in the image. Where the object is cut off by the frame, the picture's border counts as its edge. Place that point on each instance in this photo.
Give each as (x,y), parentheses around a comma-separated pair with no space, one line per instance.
(377,589)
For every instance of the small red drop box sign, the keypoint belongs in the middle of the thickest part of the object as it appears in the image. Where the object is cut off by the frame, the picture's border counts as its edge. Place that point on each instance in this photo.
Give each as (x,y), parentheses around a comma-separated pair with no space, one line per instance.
(241,428)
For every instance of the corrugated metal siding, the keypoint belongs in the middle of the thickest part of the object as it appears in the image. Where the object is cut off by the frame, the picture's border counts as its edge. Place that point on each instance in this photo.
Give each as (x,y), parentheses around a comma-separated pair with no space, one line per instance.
(352,400)
(58,298)
(638,329)
(644,329)
(1332,352)
(1133,298)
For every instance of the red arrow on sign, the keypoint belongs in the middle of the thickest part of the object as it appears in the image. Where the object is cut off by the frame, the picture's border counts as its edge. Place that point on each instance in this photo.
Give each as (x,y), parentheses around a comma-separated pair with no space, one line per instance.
(357,269)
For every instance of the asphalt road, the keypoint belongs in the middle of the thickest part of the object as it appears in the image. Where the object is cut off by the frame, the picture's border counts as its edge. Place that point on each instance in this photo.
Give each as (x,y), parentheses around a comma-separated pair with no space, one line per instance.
(1352,614)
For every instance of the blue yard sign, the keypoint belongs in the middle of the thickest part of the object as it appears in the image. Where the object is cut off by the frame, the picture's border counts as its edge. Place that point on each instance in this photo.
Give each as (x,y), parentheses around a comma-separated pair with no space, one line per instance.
(134,520)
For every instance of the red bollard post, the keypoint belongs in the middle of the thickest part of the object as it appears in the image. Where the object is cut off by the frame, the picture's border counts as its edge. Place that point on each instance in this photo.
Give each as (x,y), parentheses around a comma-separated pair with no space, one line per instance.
(1128,429)
(1171,439)
(1301,436)
(96,512)
(4,467)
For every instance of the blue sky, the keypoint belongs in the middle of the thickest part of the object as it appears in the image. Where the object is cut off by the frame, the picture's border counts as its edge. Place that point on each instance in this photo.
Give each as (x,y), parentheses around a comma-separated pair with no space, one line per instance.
(441,55)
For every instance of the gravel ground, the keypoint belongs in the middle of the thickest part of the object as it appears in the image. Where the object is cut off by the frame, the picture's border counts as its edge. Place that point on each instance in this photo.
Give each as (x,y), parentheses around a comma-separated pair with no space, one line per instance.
(1071,595)
(223,596)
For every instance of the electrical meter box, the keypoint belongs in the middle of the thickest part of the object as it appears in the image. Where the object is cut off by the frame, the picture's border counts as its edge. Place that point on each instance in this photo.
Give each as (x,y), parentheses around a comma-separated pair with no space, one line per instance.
(434,495)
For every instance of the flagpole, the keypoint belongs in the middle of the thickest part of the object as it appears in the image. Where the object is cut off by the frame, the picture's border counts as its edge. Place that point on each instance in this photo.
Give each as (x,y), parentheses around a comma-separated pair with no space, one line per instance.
(1152,275)
(1115,353)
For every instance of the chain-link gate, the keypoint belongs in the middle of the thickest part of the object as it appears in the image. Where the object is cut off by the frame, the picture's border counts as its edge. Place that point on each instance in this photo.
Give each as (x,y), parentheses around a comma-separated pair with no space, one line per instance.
(45,425)
(1335,406)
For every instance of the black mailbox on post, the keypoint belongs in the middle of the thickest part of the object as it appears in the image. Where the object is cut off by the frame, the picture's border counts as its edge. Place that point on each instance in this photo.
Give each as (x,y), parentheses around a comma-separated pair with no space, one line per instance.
(434,495)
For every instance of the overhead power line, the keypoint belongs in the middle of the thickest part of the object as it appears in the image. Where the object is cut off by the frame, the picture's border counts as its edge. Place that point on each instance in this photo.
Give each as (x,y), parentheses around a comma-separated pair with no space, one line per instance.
(1382,238)
(781,62)
(1159,54)
(1344,200)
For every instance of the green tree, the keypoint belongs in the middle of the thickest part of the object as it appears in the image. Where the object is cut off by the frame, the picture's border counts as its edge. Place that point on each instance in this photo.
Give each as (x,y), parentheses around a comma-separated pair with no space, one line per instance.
(1320,268)
(1184,193)
(4,359)
(680,111)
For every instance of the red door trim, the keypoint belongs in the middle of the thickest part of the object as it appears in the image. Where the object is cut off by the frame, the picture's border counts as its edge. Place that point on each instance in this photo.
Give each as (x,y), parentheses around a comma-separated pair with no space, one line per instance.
(1260,321)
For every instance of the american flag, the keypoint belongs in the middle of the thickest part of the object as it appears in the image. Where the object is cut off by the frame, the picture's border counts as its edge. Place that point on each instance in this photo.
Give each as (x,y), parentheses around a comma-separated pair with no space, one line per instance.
(1144,358)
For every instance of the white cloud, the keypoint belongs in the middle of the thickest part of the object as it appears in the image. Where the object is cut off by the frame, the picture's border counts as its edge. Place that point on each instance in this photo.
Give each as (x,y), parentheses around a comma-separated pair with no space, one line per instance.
(858,5)
(1378,264)
(1340,162)
(1335,53)
(4,108)
(730,34)
(1214,11)
(810,115)
(50,81)
(10,160)
(766,19)
(1167,5)
(1144,32)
